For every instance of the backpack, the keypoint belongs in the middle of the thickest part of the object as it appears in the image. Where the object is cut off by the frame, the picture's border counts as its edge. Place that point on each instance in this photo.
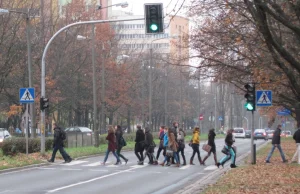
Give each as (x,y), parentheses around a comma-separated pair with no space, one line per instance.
(63,134)
(123,142)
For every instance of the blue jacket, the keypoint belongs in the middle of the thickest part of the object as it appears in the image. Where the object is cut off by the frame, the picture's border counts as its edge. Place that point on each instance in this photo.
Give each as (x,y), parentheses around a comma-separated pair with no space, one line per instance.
(166,140)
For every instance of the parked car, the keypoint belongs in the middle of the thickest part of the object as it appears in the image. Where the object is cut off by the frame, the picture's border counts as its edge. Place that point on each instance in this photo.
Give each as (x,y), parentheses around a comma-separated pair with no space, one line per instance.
(86,130)
(248,134)
(260,134)
(239,132)
(270,134)
(4,134)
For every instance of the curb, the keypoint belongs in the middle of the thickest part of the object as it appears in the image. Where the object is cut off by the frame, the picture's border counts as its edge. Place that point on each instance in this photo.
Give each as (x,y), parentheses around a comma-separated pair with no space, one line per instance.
(201,184)
(23,167)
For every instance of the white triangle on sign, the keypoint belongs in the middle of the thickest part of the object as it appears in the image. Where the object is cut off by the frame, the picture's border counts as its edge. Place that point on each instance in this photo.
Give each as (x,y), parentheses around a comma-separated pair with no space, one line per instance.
(263,99)
(27,96)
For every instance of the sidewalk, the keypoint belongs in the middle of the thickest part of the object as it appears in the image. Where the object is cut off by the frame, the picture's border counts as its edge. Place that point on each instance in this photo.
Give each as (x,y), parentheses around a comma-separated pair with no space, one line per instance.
(276,177)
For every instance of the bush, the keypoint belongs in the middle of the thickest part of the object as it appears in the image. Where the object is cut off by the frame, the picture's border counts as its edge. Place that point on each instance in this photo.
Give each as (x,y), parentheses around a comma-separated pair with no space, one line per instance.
(16,145)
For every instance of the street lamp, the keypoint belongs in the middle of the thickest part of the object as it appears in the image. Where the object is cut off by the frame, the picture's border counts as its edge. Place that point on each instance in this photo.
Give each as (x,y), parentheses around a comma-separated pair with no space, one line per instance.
(26,14)
(123,5)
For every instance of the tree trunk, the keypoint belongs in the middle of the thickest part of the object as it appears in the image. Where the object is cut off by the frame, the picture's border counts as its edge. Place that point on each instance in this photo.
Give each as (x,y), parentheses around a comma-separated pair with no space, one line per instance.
(128,118)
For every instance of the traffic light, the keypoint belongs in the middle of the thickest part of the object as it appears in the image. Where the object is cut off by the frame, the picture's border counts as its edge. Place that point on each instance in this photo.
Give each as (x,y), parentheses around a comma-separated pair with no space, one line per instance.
(154,18)
(250,97)
(44,103)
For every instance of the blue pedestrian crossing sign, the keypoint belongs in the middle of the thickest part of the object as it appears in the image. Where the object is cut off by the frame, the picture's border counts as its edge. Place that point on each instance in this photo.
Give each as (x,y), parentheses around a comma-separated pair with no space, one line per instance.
(26,95)
(220,118)
(263,98)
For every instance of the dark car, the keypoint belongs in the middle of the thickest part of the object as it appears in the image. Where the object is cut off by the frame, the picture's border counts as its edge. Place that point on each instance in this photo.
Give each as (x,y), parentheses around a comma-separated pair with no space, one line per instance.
(248,134)
(260,134)
(79,130)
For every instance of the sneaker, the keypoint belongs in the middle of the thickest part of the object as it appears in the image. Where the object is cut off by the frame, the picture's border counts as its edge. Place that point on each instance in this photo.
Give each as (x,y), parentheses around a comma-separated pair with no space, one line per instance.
(102,163)
(233,166)
(168,164)
(70,160)
(285,161)
(155,163)
(140,163)
(126,161)
(267,161)
(51,161)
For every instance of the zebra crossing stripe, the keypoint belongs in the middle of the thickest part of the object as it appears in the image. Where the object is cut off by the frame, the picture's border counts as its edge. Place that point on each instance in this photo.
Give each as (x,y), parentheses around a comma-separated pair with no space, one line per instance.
(74,163)
(93,164)
(184,167)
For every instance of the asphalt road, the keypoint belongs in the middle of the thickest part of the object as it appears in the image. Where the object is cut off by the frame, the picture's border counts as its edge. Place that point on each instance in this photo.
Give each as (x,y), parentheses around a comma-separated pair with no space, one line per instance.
(88,176)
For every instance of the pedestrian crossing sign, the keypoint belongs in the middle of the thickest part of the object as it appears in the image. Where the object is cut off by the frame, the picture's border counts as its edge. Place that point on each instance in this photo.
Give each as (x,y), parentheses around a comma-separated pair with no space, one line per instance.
(26,95)
(263,98)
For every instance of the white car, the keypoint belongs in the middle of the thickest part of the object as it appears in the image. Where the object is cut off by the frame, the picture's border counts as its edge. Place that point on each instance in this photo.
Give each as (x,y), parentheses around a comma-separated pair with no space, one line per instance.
(239,133)
(3,135)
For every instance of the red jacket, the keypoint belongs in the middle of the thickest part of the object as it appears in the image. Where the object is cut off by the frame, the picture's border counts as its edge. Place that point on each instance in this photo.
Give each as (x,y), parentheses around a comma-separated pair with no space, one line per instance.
(112,145)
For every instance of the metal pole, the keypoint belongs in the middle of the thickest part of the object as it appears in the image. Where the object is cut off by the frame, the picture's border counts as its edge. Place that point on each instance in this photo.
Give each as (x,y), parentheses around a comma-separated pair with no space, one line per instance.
(43,72)
(27,128)
(252,139)
(29,67)
(103,122)
(199,101)
(166,95)
(143,95)
(150,88)
(95,128)
(181,98)
(247,123)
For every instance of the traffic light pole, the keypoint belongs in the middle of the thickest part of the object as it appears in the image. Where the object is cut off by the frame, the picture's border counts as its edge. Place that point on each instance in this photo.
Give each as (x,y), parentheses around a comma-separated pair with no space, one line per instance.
(252,141)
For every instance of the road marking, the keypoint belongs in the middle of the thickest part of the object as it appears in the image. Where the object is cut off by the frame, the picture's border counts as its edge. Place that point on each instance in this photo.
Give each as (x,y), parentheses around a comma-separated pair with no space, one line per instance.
(5,191)
(211,167)
(46,168)
(139,166)
(112,166)
(98,170)
(201,173)
(74,163)
(70,169)
(93,164)
(185,167)
(88,181)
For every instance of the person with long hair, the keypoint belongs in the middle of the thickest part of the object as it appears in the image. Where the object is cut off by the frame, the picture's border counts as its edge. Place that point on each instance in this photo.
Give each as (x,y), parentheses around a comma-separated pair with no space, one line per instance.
(195,145)
(172,147)
(120,142)
(181,145)
(161,142)
(230,152)
(112,145)
(211,142)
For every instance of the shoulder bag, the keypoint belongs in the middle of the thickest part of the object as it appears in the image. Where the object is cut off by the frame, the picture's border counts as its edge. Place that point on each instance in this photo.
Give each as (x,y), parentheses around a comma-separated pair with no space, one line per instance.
(206,147)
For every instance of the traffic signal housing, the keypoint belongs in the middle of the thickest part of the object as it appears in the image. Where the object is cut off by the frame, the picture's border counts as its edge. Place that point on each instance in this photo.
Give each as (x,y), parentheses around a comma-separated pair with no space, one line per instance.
(44,103)
(250,97)
(154,19)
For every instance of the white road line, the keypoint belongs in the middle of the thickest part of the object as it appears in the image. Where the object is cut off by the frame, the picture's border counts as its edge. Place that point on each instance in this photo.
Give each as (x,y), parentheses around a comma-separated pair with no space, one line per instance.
(70,169)
(88,181)
(5,191)
(93,164)
(201,173)
(45,168)
(112,166)
(74,163)
(185,167)
(211,167)
(98,170)
(139,166)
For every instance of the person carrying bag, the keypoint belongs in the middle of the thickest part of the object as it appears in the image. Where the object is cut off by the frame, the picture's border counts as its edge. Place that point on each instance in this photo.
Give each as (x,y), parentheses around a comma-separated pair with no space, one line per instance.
(210,146)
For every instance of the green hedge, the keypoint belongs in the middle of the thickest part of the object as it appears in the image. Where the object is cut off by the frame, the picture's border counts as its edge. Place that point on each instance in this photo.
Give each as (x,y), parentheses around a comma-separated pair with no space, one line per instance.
(16,145)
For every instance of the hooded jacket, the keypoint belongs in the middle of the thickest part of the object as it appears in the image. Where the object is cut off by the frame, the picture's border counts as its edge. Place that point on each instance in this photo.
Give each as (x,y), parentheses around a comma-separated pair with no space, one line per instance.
(58,141)
(276,136)
(296,136)
(140,136)
(148,138)
(229,139)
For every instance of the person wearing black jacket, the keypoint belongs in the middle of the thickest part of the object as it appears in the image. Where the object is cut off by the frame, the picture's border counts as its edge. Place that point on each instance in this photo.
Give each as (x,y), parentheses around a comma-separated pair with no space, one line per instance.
(139,144)
(120,142)
(149,146)
(230,152)
(276,143)
(296,137)
(58,144)
(211,142)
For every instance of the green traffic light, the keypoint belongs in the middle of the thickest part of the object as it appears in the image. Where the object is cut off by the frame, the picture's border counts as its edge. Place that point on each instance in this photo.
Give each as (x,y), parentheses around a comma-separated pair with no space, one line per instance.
(154,27)
(249,106)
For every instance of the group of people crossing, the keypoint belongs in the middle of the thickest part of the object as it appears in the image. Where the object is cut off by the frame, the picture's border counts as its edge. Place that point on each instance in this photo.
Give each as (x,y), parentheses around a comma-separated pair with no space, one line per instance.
(171,145)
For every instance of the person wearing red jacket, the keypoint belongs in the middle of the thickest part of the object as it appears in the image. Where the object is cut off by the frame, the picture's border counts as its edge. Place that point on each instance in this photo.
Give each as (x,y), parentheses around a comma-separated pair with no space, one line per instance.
(112,145)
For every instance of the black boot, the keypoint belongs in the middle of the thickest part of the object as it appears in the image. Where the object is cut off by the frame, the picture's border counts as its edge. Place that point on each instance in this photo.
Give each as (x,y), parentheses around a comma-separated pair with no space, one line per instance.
(184,161)
(233,166)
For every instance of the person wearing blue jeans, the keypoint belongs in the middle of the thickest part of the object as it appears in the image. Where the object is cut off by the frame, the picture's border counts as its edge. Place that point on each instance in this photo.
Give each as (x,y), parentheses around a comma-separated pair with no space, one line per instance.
(112,145)
(276,143)
(231,154)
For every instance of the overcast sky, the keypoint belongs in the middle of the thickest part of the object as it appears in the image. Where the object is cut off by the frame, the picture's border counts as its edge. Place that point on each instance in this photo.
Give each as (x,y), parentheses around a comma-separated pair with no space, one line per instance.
(136,6)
